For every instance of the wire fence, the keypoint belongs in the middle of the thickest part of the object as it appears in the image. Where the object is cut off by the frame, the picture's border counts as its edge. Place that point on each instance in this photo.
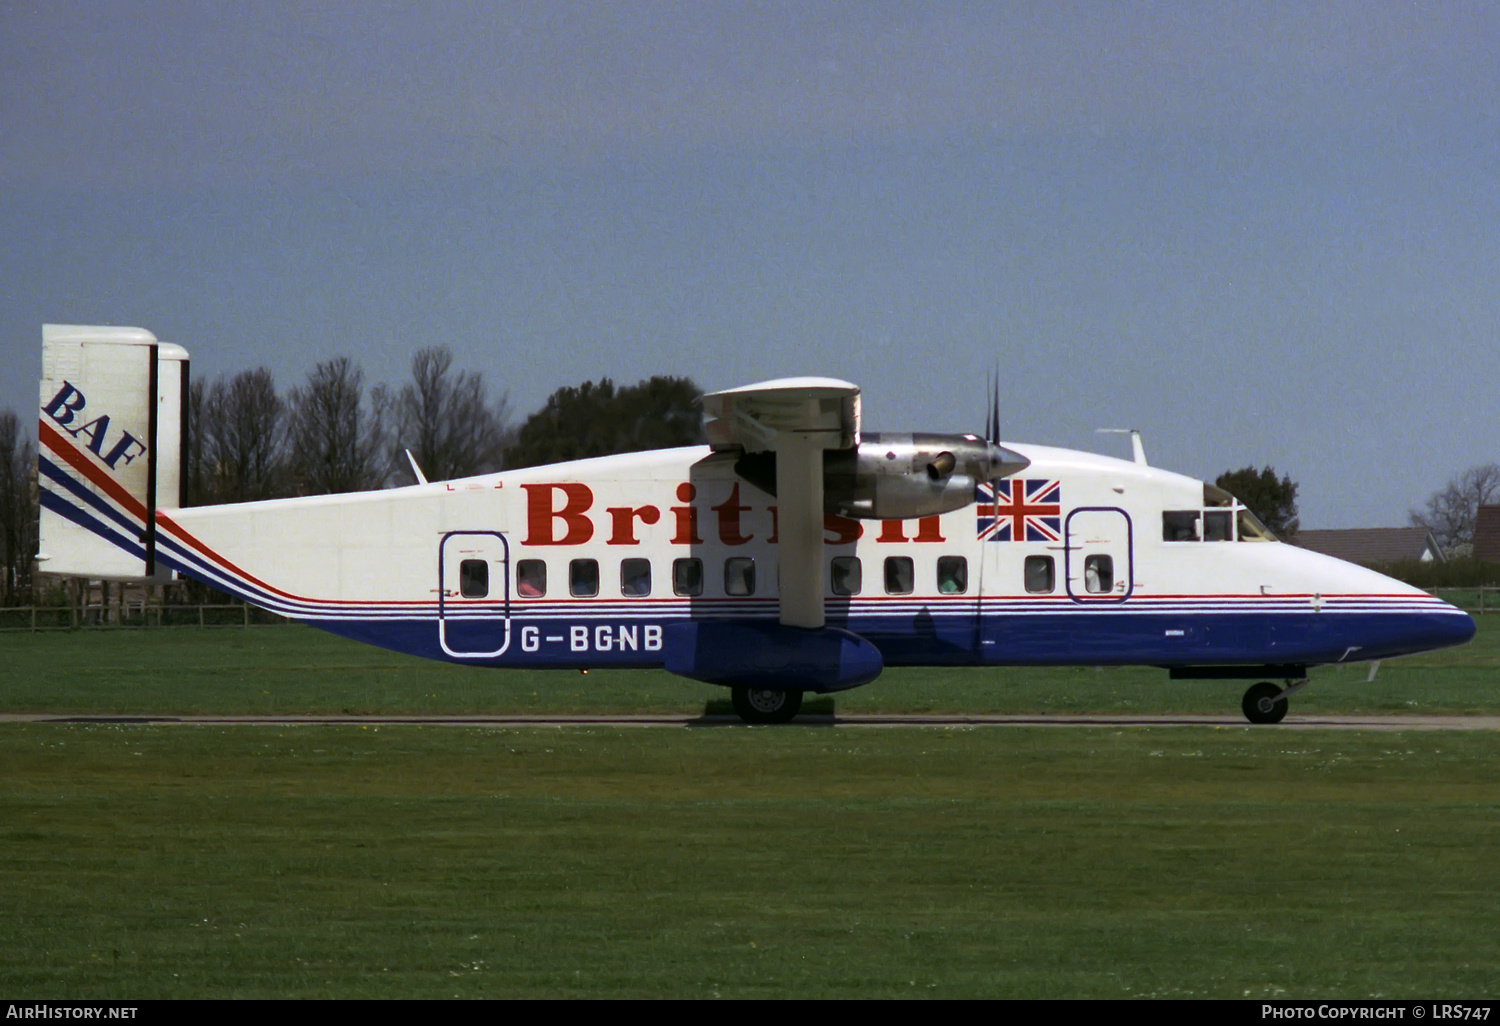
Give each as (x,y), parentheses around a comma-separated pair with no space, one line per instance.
(134,615)
(1471,600)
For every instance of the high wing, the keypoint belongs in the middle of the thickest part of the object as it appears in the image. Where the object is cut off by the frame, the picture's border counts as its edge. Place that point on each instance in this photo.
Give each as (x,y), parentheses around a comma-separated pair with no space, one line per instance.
(797,419)
(753,417)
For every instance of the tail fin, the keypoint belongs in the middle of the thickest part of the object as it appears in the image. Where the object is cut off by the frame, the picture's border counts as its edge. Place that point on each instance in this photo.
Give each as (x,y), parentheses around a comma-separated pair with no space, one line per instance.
(113,408)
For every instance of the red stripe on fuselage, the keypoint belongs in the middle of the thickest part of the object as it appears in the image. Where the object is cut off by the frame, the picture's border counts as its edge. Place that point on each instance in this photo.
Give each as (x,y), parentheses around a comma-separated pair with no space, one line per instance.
(187,538)
(100,479)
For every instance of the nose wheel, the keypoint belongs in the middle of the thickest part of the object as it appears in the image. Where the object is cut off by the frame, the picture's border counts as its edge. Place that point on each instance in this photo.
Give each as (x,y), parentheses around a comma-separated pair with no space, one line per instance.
(1264,703)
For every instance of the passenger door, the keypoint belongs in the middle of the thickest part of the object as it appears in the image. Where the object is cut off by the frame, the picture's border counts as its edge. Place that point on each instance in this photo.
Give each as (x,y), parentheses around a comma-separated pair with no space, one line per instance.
(1099,544)
(474,594)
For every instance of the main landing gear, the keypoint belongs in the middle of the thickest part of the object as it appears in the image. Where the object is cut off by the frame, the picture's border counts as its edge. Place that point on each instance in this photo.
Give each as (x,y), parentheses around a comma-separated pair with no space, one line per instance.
(761,705)
(1267,703)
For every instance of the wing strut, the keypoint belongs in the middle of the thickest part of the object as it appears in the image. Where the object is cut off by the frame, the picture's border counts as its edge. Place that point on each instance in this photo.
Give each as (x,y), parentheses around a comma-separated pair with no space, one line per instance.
(797,418)
(799,497)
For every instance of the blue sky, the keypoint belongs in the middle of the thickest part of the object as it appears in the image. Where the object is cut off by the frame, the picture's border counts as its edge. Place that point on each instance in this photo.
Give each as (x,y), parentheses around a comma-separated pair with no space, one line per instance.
(1259,232)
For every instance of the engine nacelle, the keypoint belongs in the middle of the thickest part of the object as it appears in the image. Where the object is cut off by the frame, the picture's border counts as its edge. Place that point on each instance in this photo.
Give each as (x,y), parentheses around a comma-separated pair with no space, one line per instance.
(898,476)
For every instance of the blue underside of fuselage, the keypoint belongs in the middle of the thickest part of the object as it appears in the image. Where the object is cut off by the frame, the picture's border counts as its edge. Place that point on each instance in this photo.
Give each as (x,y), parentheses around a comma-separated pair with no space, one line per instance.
(1085,638)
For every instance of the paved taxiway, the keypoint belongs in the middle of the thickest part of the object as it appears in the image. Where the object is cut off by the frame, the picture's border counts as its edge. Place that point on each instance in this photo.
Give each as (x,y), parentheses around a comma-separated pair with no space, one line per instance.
(1292,722)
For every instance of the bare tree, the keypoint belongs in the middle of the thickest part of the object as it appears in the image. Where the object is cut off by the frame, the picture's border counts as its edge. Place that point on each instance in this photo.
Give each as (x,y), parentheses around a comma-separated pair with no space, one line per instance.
(445,418)
(197,475)
(335,443)
(1451,511)
(18,511)
(242,431)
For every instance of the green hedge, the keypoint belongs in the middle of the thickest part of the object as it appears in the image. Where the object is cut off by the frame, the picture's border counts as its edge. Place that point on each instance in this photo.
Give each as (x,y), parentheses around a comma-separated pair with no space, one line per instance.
(1461,572)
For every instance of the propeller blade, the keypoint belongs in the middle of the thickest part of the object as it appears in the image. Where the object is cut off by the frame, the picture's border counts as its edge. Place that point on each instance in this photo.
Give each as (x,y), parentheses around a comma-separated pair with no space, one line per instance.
(994,425)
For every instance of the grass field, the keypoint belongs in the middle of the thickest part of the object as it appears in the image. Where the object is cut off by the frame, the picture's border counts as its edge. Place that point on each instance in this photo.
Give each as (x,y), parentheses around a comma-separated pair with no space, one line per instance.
(384,862)
(145,862)
(294,669)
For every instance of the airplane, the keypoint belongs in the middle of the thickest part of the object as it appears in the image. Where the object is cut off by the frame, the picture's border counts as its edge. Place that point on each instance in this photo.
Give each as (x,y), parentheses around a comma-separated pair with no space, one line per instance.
(793,553)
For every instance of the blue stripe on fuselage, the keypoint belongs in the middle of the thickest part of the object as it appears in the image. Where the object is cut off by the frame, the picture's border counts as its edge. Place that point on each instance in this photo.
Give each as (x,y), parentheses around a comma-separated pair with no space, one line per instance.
(1090,638)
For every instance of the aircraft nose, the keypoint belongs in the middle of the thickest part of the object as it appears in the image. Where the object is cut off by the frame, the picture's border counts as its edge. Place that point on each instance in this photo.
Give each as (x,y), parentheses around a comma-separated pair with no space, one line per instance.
(1452,626)
(1456,629)
(1437,626)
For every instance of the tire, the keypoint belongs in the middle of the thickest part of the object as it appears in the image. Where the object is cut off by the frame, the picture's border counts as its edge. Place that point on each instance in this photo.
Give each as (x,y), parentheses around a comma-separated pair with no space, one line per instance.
(761,705)
(1263,703)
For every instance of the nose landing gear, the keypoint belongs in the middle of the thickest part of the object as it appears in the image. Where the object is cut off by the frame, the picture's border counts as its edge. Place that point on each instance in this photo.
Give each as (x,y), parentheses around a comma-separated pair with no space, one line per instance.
(1266,703)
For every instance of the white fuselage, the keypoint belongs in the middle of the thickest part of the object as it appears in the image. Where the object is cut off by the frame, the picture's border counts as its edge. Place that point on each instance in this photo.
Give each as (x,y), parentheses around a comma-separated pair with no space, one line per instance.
(583,563)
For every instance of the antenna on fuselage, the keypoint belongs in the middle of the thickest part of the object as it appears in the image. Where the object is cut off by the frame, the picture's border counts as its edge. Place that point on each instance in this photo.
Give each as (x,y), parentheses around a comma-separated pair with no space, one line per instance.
(421,477)
(1137,450)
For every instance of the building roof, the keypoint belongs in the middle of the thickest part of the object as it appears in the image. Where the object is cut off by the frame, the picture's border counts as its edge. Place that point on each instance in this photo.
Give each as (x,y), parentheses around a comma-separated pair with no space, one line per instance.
(1487,534)
(1372,546)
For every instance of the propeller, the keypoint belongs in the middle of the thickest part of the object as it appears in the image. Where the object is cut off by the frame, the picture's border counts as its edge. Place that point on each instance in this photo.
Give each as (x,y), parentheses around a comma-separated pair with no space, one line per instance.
(992,415)
(945,463)
(1002,461)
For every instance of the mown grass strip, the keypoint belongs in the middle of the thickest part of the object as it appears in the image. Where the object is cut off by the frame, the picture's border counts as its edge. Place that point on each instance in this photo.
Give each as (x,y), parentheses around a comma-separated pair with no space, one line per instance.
(392,862)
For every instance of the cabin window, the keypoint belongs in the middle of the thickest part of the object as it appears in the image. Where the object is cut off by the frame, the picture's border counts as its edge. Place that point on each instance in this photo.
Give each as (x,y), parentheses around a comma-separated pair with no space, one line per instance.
(583,578)
(846,575)
(1179,525)
(635,578)
(473,578)
(1218,525)
(952,575)
(1099,575)
(739,576)
(1041,575)
(687,576)
(900,578)
(531,578)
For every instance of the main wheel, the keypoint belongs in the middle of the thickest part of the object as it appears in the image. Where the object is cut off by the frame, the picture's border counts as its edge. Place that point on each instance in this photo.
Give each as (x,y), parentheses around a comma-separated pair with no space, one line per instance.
(1263,703)
(762,705)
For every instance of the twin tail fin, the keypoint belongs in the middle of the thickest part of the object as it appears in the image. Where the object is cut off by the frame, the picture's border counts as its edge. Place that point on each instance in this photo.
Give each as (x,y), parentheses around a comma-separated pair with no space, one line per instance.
(109,455)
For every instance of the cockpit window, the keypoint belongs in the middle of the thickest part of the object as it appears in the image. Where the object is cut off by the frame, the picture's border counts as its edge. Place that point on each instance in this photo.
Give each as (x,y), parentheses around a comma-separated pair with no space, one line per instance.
(1251,529)
(1179,525)
(1213,495)
(1218,525)
(1223,518)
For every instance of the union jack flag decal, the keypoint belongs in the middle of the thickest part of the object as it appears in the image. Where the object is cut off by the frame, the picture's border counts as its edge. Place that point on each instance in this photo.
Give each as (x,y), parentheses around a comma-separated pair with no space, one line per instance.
(1011,510)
